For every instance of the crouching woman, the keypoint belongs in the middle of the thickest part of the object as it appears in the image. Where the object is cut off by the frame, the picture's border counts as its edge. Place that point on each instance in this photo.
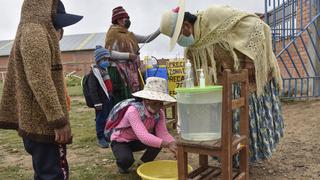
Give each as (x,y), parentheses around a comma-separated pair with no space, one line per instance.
(143,126)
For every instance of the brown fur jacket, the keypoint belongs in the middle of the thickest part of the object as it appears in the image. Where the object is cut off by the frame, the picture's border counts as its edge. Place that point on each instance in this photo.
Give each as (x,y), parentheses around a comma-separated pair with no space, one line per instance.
(33,100)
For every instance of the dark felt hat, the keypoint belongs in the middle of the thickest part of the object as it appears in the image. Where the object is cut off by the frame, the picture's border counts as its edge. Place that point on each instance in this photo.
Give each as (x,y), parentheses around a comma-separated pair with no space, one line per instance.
(63,19)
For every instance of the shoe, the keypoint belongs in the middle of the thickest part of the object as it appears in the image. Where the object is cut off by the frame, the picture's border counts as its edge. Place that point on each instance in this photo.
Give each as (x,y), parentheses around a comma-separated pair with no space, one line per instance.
(123,171)
(103,143)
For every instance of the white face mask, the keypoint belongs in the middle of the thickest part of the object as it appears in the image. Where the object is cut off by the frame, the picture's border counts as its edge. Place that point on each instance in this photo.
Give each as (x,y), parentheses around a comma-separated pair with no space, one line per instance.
(185,41)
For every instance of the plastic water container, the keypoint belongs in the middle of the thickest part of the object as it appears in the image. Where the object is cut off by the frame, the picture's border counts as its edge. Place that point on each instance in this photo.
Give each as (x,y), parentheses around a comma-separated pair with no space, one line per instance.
(157,71)
(199,113)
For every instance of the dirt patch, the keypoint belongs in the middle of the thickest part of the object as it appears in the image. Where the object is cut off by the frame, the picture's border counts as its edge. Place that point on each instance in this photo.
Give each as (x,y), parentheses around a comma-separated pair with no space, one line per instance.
(298,154)
(296,157)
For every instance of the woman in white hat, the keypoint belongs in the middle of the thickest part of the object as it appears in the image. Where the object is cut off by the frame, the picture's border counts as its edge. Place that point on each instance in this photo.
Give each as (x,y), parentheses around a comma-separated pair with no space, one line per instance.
(143,126)
(222,37)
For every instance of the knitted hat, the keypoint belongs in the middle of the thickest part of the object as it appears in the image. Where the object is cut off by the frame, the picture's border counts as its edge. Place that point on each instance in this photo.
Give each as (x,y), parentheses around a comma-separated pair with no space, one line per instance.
(155,89)
(101,53)
(63,19)
(118,13)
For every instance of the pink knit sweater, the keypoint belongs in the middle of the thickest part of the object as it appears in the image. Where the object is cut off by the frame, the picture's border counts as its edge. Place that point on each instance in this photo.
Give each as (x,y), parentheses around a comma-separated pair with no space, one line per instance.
(142,131)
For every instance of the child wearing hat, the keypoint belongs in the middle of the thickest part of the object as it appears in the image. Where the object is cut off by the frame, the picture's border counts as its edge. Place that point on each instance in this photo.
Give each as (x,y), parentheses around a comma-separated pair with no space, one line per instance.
(33,100)
(100,89)
(150,133)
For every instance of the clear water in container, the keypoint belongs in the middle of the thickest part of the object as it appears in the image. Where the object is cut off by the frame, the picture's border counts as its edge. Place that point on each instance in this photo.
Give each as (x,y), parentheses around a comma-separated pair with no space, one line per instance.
(200,122)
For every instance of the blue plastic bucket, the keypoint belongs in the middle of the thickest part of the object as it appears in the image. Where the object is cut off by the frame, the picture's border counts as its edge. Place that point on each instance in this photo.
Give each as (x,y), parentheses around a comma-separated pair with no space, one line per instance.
(160,71)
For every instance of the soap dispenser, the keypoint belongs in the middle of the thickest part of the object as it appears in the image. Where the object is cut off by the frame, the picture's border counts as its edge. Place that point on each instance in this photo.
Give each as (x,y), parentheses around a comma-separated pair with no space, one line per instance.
(188,75)
(202,80)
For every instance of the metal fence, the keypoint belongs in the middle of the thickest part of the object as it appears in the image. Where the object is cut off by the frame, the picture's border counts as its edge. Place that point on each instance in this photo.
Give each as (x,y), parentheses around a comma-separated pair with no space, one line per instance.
(282,19)
(296,39)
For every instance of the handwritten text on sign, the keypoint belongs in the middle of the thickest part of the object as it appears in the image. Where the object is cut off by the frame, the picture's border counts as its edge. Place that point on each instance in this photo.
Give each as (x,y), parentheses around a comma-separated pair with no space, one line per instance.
(175,75)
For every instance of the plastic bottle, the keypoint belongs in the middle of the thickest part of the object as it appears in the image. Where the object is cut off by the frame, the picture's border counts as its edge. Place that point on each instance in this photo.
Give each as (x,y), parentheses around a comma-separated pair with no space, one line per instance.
(146,60)
(189,75)
(202,80)
(151,67)
(152,62)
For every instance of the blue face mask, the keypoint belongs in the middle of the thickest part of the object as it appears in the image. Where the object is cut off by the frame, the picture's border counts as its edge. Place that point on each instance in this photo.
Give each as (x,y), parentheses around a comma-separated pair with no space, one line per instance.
(104,64)
(185,41)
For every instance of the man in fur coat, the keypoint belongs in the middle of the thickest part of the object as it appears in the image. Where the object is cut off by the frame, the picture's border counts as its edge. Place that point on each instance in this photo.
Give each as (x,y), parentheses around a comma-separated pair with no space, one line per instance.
(33,100)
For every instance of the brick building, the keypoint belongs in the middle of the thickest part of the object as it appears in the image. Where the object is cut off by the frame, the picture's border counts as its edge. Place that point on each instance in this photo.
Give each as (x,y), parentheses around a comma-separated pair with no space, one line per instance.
(76,52)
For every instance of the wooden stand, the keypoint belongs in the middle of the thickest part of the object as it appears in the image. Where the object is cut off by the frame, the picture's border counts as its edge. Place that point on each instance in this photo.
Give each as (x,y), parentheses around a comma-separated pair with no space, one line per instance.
(173,118)
(228,145)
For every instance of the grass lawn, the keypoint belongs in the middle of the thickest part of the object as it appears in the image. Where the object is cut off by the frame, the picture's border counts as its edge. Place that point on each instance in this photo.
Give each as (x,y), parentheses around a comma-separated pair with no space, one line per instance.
(86,159)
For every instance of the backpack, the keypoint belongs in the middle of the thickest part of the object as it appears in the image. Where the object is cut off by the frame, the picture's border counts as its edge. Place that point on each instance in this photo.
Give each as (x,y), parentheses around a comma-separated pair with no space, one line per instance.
(117,113)
(86,91)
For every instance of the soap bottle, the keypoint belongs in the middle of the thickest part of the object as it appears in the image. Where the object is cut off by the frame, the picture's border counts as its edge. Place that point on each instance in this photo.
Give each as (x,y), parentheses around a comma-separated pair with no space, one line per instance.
(202,80)
(146,60)
(188,75)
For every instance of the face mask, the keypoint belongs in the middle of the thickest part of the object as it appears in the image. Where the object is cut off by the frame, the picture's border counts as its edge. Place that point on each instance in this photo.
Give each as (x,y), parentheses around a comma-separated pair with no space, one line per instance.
(104,64)
(127,23)
(154,106)
(185,41)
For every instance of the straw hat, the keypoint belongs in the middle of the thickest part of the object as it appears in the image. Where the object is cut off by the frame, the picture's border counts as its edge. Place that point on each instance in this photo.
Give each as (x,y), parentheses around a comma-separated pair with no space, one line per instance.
(171,23)
(155,89)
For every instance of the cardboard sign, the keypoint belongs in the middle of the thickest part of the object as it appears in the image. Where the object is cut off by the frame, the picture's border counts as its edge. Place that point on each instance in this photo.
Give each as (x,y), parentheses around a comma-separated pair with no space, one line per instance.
(175,75)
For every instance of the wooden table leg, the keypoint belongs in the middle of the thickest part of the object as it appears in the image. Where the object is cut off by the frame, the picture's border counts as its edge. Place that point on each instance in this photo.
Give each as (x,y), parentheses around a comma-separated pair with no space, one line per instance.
(244,161)
(175,116)
(203,160)
(182,163)
(226,166)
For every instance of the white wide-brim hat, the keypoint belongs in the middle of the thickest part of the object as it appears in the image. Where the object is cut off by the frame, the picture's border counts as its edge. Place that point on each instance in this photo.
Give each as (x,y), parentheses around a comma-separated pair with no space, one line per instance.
(171,23)
(155,89)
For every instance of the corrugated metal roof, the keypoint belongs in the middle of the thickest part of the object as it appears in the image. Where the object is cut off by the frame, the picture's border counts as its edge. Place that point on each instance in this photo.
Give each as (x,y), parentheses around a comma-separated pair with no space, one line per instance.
(75,42)
(5,47)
